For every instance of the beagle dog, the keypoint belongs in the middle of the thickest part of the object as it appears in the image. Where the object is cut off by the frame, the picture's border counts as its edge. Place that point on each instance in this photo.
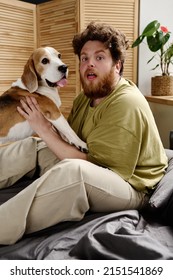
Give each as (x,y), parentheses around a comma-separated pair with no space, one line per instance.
(43,73)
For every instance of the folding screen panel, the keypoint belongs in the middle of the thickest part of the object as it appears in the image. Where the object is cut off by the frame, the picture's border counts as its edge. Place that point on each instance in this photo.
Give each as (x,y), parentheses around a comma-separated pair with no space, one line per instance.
(17,39)
(57,25)
(122,14)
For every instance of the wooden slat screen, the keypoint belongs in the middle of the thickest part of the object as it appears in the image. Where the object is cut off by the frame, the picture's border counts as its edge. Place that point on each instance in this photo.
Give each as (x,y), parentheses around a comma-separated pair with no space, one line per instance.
(122,14)
(17,39)
(56,28)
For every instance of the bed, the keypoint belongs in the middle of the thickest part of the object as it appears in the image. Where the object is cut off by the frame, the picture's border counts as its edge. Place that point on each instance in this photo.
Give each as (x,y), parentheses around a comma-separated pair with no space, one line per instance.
(124,235)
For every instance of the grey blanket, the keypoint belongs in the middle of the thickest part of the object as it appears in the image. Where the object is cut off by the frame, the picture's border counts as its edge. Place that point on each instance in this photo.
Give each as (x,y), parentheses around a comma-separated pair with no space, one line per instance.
(125,235)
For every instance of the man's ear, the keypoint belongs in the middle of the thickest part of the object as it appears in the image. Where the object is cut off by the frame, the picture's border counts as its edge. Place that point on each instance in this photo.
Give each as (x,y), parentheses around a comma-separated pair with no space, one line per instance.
(118,66)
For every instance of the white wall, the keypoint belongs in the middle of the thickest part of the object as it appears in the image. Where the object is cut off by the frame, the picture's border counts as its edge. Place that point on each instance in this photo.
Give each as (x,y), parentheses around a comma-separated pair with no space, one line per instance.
(152,10)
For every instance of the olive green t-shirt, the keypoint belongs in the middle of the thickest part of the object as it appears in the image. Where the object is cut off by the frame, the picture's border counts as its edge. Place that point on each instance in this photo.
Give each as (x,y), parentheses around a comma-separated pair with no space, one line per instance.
(121,135)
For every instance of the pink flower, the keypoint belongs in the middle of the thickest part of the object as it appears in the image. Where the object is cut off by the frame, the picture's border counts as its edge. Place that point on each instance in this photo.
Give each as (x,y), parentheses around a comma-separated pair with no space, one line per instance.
(164,29)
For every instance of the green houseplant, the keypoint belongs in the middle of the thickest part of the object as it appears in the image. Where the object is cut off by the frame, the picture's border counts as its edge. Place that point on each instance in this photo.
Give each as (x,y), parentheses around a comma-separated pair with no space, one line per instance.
(157,38)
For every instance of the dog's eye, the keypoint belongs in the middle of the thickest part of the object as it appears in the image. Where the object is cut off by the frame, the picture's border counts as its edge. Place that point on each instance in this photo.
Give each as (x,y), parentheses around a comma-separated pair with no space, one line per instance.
(59,55)
(45,61)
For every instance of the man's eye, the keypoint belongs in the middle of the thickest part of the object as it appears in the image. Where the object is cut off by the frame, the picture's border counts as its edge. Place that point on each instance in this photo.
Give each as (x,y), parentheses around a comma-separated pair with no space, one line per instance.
(83,59)
(45,61)
(99,57)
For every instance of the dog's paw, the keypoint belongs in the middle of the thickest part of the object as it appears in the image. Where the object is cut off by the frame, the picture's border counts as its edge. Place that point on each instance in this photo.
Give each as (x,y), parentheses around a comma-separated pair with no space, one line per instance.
(83,150)
(83,147)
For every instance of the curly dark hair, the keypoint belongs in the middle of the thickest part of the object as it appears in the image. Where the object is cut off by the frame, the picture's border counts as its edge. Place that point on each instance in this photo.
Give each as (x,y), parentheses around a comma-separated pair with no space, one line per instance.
(112,38)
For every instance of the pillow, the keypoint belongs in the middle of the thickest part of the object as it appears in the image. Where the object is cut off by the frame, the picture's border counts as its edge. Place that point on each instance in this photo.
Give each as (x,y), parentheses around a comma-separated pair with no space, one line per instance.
(161,201)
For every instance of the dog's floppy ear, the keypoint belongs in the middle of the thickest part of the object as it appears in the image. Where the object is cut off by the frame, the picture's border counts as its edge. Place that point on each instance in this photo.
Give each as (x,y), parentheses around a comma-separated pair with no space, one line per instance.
(29,77)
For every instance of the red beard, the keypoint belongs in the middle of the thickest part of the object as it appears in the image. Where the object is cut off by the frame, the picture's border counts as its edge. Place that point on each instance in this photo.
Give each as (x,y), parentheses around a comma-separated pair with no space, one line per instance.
(102,88)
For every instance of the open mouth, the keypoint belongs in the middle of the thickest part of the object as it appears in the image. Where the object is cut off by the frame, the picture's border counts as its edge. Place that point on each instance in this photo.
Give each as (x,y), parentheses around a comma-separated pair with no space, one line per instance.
(61,83)
(91,76)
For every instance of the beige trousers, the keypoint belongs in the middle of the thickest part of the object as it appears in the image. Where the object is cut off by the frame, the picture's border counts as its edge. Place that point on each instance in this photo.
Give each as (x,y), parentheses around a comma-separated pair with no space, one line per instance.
(65,190)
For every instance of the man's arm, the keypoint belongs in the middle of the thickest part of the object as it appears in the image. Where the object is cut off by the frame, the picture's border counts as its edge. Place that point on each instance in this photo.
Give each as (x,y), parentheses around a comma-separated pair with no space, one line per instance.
(31,112)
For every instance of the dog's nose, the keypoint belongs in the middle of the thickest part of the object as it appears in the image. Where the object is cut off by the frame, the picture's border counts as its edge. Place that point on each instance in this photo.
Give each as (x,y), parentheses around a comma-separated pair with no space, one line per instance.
(63,68)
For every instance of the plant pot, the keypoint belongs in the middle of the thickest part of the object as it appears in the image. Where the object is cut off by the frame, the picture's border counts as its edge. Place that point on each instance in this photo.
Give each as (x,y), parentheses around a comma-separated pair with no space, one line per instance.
(162,85)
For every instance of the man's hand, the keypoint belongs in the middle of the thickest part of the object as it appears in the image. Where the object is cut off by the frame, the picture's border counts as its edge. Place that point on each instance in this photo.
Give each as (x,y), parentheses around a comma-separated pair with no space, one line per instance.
(30,110)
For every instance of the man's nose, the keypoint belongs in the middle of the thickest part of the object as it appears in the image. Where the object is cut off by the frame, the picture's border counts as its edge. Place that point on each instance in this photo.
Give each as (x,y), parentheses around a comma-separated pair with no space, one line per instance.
(90,63)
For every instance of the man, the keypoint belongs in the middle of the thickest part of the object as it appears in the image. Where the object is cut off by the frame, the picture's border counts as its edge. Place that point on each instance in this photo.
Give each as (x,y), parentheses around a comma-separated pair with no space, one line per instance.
(125,158)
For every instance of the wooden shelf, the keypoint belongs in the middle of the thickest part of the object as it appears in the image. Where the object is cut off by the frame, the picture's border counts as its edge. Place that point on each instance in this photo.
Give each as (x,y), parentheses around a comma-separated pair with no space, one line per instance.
(167,100)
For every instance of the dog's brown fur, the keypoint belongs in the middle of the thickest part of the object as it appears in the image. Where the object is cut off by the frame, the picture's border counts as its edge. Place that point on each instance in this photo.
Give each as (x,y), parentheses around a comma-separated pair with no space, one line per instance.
(43,73)
(12,97)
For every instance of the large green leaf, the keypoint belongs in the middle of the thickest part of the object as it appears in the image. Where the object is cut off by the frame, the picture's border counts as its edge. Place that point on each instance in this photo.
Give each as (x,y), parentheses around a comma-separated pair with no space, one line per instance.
(153,43)
(138,41)
(166,38)
(169,53)
(151,28)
